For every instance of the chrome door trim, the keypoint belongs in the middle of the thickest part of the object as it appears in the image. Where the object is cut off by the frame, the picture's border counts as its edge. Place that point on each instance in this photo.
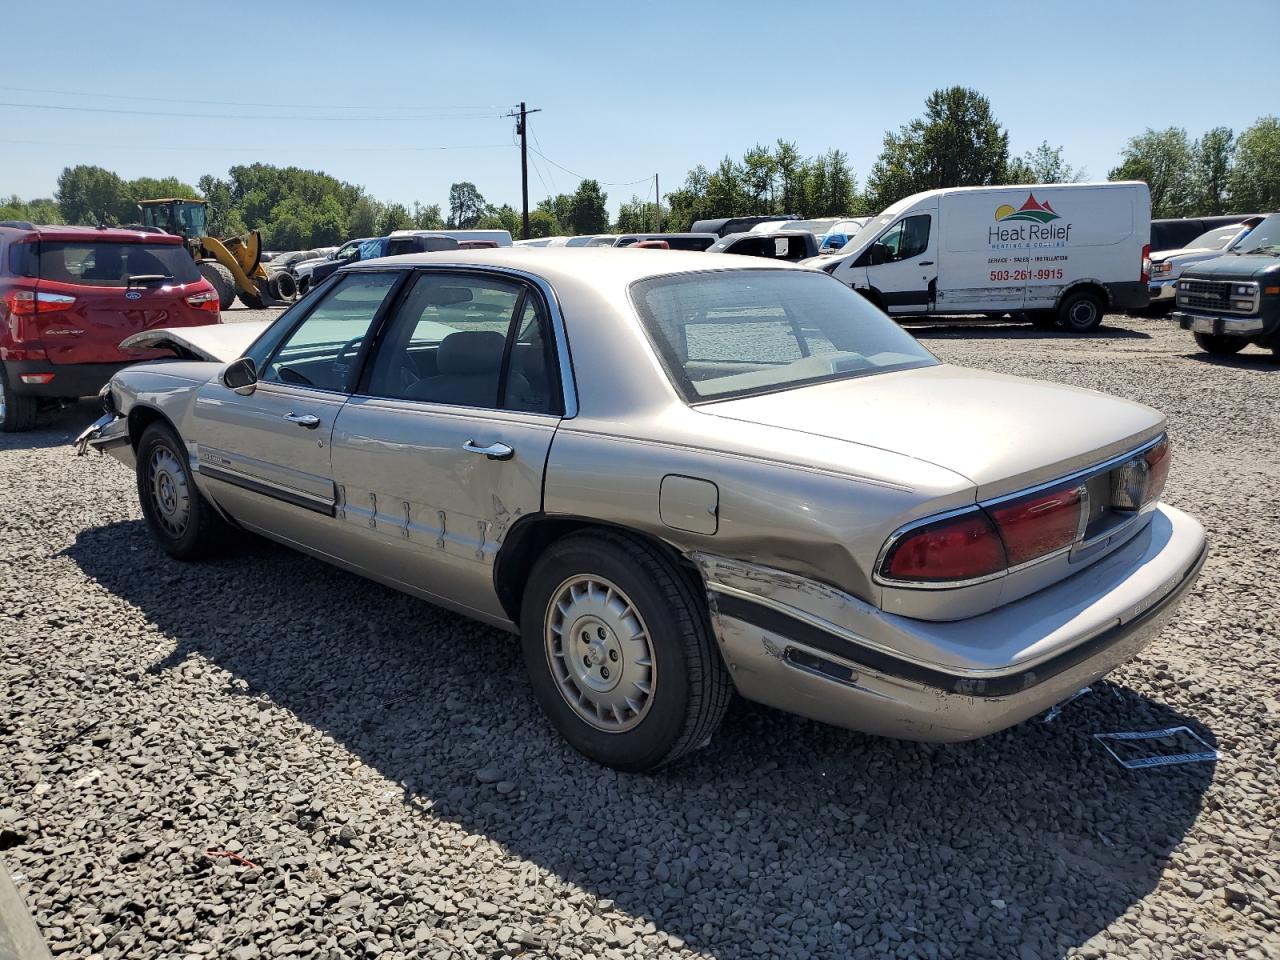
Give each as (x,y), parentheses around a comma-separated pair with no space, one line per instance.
(256,485)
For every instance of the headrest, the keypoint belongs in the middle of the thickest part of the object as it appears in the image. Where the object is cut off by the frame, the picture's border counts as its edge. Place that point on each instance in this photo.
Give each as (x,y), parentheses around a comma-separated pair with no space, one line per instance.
(468,352)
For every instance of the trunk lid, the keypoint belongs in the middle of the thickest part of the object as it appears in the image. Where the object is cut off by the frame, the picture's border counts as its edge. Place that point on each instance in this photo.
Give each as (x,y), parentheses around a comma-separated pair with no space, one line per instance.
(1003,433)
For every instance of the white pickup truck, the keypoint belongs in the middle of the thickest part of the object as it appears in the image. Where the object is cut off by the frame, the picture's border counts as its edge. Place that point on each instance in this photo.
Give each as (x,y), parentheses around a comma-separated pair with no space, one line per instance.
(1166,266)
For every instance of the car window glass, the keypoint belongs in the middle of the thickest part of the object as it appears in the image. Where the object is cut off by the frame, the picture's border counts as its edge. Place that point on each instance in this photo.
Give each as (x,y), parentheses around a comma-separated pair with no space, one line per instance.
(322,351)
(448,344)
(915,236)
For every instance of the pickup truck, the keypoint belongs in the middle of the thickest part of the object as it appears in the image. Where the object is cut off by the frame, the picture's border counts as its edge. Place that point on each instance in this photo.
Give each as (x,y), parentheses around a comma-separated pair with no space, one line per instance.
(1234,300)
(392,246)
(1166,266)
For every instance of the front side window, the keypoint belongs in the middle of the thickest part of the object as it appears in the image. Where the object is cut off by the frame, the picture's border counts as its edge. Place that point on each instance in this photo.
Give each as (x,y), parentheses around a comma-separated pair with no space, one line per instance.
(115,264)
(905,239)
(471,341)
(733,333)
(323,350)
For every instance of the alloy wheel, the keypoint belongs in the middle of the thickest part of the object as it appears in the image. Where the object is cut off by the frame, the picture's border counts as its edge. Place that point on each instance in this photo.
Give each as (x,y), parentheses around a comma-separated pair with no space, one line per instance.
(600,653)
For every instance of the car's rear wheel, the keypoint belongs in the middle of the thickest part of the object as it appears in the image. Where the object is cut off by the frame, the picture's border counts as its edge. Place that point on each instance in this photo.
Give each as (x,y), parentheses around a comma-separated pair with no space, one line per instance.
(1081,312)
(1222,346)
(620,653)
(181,520)
(221,279)
(17,411)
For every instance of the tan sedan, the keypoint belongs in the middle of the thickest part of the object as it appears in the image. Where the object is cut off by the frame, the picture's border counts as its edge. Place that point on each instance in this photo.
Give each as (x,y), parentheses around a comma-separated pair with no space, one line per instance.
(675,476)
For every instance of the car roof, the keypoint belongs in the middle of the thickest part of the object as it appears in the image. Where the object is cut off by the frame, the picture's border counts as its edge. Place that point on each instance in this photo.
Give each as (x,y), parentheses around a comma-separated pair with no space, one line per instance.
(107,234)
(581,266)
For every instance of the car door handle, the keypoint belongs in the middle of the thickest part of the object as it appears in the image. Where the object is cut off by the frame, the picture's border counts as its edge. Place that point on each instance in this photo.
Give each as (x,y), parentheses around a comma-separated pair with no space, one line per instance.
(494,451)
(925,263)
(303,420)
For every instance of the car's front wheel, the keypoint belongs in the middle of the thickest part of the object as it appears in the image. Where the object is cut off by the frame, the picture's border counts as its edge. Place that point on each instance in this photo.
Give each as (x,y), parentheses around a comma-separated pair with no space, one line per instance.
(1222,346)
(181,520)
(620,653)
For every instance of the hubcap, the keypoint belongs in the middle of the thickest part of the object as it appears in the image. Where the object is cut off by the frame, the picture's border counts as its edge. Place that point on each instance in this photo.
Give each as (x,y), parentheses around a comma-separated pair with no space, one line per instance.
(600,654)
(169,491)
(1082,313)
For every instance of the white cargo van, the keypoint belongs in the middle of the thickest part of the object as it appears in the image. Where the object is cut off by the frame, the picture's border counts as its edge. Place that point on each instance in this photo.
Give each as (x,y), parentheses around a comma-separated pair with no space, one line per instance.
(1060,253)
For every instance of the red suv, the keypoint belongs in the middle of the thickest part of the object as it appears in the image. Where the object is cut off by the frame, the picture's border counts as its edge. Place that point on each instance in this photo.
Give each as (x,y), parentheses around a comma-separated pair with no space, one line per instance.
(69,295)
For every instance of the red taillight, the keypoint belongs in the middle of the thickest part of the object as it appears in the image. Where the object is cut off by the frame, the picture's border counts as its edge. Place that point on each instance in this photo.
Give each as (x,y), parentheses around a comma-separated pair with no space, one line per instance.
(959,548)
(1037,525)
(27,303)
(1143,276)
(1159,458)
(204,300)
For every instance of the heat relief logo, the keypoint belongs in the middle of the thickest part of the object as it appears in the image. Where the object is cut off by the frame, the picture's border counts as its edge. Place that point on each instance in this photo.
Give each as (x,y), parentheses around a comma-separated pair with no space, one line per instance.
(1034,224)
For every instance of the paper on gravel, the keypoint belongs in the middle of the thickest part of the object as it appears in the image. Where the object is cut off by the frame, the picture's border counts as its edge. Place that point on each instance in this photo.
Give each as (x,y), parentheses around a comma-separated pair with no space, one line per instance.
(1139,750)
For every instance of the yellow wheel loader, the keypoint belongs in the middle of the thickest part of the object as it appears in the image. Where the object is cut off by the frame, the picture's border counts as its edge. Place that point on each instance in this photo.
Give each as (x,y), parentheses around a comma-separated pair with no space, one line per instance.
(234,265)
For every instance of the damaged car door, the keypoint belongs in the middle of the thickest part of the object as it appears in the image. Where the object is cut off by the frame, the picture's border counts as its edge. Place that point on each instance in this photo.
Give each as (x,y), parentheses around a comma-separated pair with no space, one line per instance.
(443,446)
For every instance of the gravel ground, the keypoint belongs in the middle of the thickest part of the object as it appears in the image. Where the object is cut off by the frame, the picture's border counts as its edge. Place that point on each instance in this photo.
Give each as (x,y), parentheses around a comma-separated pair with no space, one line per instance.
(266,757)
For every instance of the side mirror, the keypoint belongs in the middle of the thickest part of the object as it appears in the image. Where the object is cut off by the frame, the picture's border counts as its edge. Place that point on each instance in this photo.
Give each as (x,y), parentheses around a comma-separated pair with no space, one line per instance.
(879,254)
(241,376)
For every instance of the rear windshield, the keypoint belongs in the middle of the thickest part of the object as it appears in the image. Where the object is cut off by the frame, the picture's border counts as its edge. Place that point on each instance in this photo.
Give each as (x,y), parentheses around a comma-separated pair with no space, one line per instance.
(115,264)
(737,332)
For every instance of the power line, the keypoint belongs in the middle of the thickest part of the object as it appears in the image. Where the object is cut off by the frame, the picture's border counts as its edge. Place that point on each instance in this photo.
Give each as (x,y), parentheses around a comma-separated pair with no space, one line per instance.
(222,103)
(235,116)
(215,148)
(603,183)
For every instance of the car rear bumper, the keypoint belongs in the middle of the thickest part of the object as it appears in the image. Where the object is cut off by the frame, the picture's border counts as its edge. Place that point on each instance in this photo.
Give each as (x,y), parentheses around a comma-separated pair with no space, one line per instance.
(1220,324)
(812,650)
(66,379)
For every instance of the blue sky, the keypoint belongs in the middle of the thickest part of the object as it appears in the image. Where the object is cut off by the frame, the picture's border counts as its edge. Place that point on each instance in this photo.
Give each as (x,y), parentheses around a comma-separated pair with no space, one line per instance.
(625,90)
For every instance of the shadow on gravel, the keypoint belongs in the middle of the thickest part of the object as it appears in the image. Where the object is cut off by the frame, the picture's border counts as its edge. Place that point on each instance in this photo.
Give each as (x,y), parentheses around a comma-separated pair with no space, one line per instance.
(999,330)
(54,427)
(1021,845)
(1239,361)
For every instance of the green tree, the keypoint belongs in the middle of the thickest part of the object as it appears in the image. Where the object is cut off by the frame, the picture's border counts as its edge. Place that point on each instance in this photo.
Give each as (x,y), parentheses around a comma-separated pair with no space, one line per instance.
(40,211)
(504,217)
(466,205)
(395,216)
(957,143)
(88,194)
(790,167)
(587,212)
(427,217)
(542,224)
(1211,171)
(757,173)
(636,215)
(560,209)
(1255,171)
(366,214)
(1044,164)
(1161,158)
(689,203)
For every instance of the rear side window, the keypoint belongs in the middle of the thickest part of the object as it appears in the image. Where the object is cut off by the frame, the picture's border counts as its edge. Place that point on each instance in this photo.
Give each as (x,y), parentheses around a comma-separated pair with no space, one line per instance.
(22,259)
(115,264)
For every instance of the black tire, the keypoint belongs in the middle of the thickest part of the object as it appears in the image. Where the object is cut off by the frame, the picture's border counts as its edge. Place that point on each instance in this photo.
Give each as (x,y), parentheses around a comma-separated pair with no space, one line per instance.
(1081,312)
(252,301)
(304,284)
(1042,319)
(281,286)
(223,282)
(1220,346)
(690,688)
(19,411)
(202,530)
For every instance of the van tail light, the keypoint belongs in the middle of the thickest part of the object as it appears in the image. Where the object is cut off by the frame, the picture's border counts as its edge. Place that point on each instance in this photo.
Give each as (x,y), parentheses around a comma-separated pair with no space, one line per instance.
(1042,523)
(966,547)
(1144,275)
(206,300)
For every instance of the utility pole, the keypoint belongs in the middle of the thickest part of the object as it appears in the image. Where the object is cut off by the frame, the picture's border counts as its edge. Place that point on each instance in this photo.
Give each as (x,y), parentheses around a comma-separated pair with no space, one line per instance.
(657,204)
(522,128)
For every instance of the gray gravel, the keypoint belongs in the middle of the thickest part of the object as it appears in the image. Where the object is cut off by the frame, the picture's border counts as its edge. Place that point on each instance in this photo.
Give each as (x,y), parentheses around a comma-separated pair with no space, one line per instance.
(265,757)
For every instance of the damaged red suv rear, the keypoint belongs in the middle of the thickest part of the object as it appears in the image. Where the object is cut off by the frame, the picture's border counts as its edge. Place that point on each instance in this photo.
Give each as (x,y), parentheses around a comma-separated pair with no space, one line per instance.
(69,295)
